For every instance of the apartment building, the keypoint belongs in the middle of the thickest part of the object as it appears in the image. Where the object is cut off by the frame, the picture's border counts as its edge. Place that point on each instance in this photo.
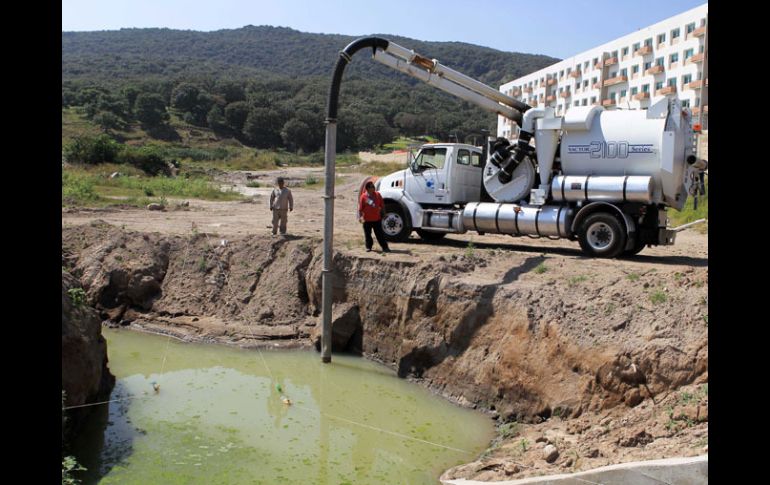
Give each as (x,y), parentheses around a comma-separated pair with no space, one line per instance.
(666,59)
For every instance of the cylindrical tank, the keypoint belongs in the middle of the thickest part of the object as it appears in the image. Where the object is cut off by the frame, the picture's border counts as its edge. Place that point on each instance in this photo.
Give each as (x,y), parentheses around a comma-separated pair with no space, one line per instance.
(576,188)
(653,142)
(518,220)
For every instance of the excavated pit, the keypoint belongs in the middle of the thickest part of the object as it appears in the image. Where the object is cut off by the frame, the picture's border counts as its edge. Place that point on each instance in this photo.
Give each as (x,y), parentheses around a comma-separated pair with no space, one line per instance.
(490,331)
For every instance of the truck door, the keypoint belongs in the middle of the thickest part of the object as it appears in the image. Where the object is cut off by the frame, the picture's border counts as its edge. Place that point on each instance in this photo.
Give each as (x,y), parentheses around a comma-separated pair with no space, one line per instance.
(426,183)
(466,176)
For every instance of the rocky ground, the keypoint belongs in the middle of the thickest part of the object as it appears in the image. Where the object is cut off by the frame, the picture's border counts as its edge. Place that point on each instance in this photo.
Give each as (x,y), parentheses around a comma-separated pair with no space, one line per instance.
(605,361)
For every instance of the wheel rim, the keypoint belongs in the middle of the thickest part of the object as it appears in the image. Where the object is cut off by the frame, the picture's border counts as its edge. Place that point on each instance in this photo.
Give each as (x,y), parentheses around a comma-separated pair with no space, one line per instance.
(600,236)
(393,224)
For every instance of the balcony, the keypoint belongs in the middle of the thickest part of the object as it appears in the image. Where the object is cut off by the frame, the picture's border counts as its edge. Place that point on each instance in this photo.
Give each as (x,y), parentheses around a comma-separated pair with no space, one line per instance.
(610,61)
(575,74)
(654,70)
(615,80)
(666,90)
(550,82)
(699,32)
(641,96)
(527,90)
(608,102)
(696,58)
(565,94)
(644,50)
(597,85)
(694,85)
(550,98)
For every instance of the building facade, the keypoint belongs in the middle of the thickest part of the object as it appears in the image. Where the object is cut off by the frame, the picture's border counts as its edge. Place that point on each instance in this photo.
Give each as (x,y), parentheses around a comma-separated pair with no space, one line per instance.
(666,59)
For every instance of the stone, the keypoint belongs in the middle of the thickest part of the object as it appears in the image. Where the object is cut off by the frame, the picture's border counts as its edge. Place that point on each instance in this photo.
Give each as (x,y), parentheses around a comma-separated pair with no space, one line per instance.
(155,207)
(550,453)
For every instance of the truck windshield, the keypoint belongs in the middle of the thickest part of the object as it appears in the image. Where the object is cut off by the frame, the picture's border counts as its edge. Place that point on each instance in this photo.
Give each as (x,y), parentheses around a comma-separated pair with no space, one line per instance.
(430,158)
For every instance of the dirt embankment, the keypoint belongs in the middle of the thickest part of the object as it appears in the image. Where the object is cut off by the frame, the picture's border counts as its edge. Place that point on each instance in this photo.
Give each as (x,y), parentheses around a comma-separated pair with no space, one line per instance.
(558,343)
(85,376)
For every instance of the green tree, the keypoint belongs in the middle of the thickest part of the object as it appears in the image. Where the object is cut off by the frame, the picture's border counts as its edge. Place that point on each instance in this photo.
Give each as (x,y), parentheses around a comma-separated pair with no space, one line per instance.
(296,134)
(184,97)
(150,109)
(236,114)
(107,120)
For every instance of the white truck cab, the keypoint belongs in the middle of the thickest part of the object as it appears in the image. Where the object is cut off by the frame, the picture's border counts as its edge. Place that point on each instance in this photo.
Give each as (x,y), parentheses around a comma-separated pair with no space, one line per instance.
(440,175)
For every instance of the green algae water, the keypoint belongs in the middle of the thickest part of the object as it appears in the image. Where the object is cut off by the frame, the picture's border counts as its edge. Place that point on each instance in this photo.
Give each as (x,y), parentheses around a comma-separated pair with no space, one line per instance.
(224,415)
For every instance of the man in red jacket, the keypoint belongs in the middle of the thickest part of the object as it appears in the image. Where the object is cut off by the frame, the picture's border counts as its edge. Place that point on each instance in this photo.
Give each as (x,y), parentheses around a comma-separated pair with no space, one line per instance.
(370,211)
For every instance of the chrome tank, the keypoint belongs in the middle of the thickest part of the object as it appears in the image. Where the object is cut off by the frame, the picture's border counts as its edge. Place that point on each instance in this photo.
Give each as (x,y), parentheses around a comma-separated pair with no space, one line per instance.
(518,220)
(577,188)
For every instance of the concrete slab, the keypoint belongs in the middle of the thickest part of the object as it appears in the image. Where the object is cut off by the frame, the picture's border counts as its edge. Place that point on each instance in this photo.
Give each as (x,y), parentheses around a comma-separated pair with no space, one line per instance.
(670,471)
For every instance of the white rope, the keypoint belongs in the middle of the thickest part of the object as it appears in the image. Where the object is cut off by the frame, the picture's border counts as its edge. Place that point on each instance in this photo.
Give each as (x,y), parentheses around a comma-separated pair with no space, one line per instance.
(375,428)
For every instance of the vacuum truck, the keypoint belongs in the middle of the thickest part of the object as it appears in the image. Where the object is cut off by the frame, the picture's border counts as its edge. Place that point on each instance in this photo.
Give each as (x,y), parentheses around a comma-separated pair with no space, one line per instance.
(604,178)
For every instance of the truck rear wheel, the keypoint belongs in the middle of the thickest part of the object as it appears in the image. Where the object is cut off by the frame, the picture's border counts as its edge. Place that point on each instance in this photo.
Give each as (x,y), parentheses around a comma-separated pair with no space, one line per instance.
(602,235)
(430,236)
(638,246)
(395,224)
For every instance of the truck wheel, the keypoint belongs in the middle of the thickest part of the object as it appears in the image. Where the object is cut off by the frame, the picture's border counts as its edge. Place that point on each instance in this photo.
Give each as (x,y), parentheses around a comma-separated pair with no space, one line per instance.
(602,235)
(430,236)
(395,224)
(638,246)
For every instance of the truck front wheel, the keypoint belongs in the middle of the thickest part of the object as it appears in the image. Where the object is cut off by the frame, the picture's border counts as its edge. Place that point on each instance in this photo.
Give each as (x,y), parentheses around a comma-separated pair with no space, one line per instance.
(395,224)
(602,236)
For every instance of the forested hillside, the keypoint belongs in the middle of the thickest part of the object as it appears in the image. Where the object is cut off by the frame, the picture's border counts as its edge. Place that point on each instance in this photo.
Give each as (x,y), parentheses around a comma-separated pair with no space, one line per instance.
(267,86)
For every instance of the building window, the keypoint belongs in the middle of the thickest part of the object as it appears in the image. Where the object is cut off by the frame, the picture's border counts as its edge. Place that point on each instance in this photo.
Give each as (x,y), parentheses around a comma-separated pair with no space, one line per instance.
(614,54)
(561,90)
(596,61)
(647,65)
(658,85)
(569,70)
(672,82)
(687,79)
(702,22)
(585,84)
(685,103)
(700,49)
(622,93)
(661,38)
(535,82)
(645,88)
(585,66)
(659,61)
(612,96)
(648,42)
(635,69)
(613,74)
(675,33)
(585,102)
(637,46)
(688,54)
(697,101)
(624,51)
(690,27)
(673,58)
(634,91)
(593,99)
(624,72)
(594,81)
(561,74)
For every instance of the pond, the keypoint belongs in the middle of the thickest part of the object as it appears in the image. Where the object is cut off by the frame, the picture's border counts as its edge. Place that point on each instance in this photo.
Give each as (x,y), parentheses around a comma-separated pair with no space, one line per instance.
(228,415)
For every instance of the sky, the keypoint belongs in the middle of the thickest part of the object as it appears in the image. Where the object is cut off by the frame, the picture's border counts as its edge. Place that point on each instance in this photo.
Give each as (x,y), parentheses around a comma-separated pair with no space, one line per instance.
(557,28)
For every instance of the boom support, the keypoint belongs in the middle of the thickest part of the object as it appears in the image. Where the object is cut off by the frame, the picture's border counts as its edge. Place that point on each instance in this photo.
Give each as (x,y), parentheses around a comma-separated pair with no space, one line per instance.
(458,84)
